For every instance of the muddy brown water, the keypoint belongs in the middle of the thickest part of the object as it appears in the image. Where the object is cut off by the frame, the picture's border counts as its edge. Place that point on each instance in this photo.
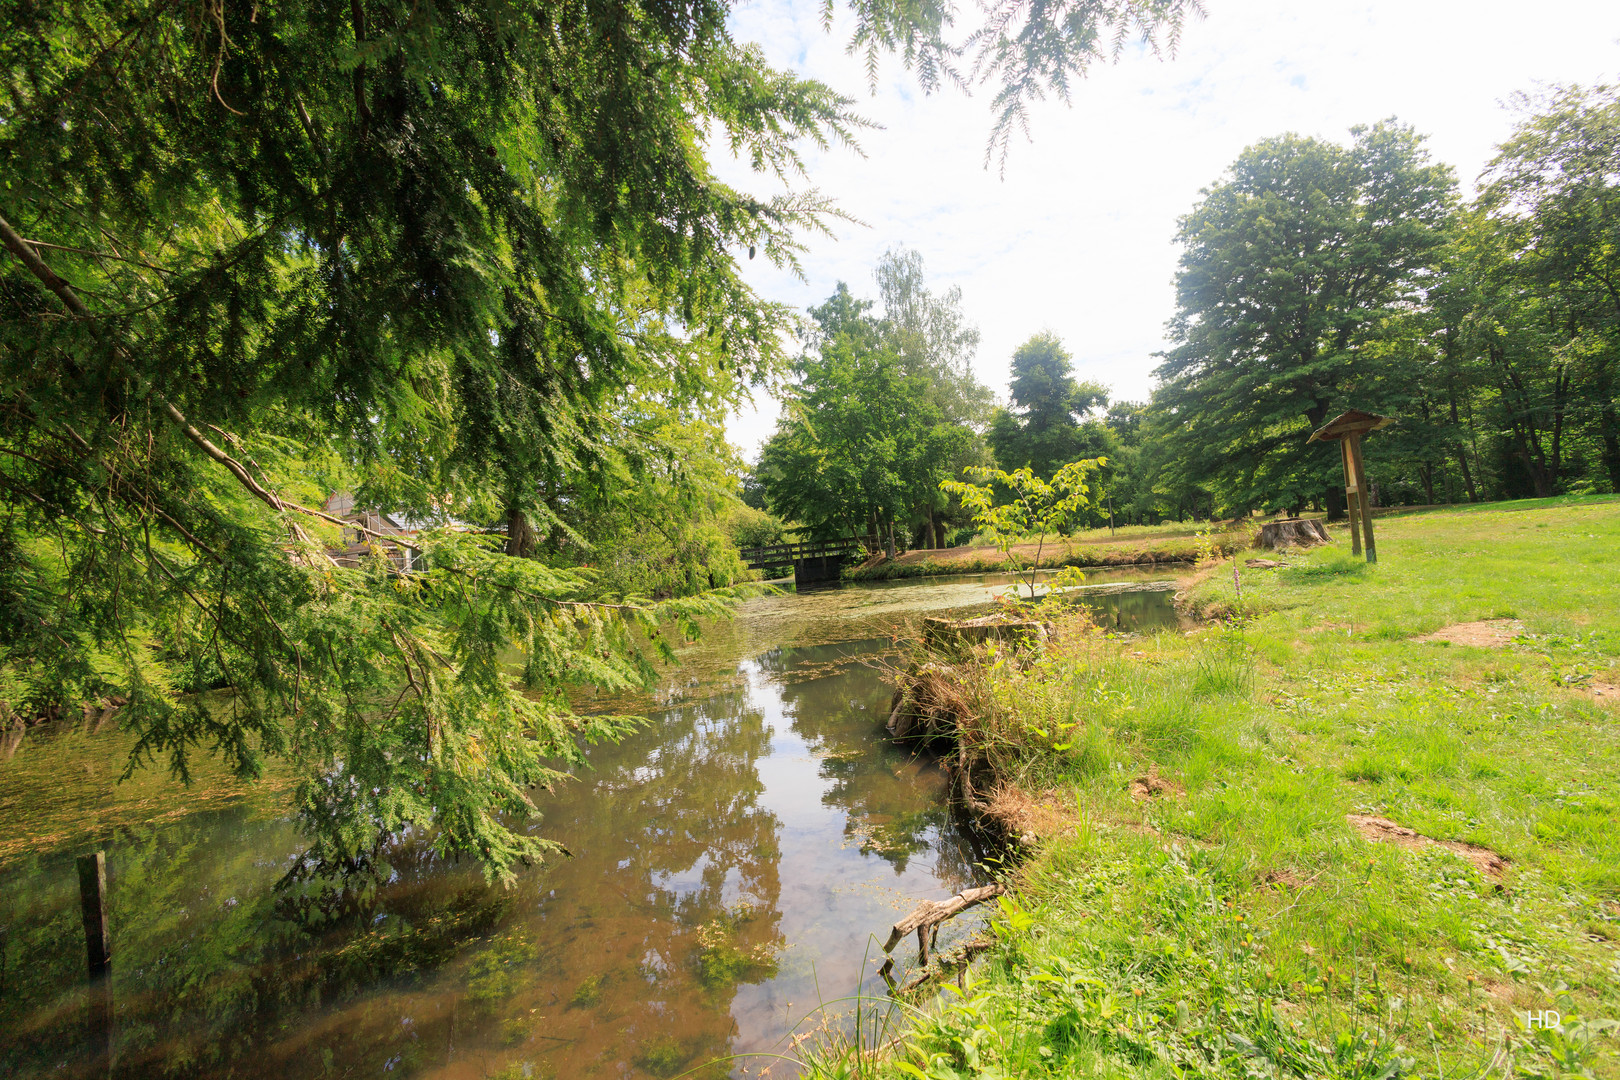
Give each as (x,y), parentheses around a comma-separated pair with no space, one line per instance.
(735,866)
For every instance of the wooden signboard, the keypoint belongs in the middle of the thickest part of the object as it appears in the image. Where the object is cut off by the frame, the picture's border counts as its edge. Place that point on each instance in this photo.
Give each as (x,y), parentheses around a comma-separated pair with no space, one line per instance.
(1347,429)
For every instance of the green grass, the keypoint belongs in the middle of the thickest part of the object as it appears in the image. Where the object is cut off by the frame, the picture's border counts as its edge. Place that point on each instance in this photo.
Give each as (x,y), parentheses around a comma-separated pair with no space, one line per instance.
(1243,927)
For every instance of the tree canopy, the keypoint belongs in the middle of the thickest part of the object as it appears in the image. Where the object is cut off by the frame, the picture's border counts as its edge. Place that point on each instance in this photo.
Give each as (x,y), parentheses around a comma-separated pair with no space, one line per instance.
(1050,421)
(1316,278)
(880,408)
(1290,266)
(427,247)
(436,255)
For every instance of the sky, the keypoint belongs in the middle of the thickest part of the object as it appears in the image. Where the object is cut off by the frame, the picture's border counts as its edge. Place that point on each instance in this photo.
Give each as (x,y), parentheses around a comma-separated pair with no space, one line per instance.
(1078,236)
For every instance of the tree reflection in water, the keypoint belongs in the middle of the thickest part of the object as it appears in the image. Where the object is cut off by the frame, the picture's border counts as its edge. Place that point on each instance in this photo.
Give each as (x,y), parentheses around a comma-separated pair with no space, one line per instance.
(727,861)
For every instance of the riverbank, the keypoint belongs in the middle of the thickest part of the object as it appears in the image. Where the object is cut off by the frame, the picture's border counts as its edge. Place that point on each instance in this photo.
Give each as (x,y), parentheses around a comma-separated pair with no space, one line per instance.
(1363,827)
(1172,544)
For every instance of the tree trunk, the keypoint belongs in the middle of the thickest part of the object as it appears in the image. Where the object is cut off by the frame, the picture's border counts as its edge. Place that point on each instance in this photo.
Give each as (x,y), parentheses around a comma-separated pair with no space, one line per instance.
(519,536)
(1467,474)
(1335,503)
(1560,395)
(1292,532)
(891,539)
(1462,456)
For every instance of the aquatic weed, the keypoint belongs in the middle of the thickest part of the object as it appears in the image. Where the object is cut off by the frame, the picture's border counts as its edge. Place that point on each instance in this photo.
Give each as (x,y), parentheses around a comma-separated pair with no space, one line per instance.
(587,994)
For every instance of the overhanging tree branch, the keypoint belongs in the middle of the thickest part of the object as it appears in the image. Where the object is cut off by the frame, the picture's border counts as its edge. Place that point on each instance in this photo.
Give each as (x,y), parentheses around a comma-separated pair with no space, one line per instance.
(26,254)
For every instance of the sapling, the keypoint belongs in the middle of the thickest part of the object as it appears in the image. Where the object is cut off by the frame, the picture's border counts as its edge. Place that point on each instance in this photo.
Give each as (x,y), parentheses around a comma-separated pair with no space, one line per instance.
(1037,507)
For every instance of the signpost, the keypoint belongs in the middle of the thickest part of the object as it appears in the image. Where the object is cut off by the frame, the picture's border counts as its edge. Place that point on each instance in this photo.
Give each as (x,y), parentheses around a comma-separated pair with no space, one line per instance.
(1347,429)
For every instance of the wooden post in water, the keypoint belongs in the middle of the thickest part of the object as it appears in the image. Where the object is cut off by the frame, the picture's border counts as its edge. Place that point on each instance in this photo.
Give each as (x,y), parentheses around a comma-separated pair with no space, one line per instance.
(98,954)
(1347,429)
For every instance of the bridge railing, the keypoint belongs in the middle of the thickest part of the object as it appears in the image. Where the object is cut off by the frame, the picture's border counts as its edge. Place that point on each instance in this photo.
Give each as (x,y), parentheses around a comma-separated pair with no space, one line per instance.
(776,554)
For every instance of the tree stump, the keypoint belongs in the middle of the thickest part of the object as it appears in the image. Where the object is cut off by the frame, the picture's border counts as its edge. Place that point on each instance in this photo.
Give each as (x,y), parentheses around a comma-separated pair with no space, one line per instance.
(1292,532)
(943,633)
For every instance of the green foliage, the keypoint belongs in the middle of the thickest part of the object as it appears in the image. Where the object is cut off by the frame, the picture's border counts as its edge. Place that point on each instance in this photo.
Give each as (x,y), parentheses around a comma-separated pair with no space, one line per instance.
(1290,265)
(1032,51)
(722,962)
(931,336)
(1317,278)
(498,972)
(398,246)
(1053,419)
(587,994)
(467,254)
(1542,271)
(1046,424)
(860,433)
(657,525)
(662,1057)
(747,527)
(880,411)
(1035,508)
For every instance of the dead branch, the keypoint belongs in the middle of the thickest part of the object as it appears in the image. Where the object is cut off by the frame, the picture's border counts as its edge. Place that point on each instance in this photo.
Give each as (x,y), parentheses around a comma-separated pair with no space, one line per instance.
(957,959)
(930,913)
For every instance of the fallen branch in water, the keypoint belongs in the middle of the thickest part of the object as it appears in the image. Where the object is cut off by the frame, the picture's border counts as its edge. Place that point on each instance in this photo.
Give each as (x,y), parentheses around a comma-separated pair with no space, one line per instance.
(958,958)
(929,914)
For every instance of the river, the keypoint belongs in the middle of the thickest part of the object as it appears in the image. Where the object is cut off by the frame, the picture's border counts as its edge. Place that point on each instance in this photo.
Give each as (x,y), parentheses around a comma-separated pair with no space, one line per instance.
(735,866)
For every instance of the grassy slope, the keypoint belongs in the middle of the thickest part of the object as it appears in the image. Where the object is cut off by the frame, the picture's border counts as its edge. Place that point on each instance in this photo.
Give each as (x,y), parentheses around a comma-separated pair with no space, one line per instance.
(1243,928)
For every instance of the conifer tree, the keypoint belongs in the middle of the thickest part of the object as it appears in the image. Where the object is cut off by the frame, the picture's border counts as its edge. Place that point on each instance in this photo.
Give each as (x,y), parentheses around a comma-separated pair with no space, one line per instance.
(421,247)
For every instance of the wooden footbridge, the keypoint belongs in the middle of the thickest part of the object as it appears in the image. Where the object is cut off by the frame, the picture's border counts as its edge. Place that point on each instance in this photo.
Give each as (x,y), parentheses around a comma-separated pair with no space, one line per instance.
(813,561)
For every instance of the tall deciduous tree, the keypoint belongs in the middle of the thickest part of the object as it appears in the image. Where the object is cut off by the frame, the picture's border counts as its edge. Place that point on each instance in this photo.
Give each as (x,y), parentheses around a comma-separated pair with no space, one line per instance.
(1050,421)
(882,406)
(861,441)
(932,337)
(1555,188)
(1290,265)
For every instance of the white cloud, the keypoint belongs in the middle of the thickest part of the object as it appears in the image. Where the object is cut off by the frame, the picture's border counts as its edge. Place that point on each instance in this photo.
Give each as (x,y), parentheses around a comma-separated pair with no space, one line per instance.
(1078,237)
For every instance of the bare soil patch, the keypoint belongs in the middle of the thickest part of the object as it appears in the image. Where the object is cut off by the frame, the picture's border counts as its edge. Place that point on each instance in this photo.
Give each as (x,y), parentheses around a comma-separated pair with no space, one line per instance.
(1383,831)
(1484,634)
(1034,817)
(1153,785)
(1284,878)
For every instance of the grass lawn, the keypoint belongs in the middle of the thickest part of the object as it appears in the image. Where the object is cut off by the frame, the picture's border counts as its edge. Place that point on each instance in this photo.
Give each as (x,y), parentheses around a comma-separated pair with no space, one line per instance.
(1305,841)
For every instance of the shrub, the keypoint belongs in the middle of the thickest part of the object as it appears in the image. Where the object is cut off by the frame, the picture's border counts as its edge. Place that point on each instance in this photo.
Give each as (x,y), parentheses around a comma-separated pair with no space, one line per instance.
(746,527)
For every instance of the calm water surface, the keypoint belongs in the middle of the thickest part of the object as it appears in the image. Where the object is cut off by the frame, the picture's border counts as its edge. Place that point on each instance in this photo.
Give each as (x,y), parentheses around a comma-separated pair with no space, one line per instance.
(734,866)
